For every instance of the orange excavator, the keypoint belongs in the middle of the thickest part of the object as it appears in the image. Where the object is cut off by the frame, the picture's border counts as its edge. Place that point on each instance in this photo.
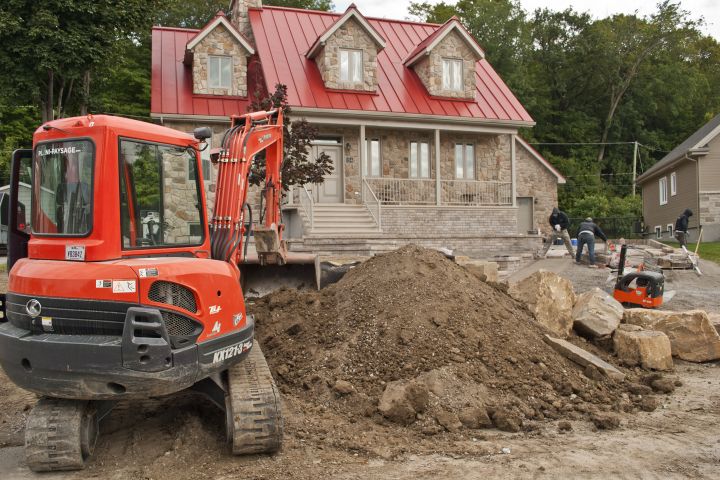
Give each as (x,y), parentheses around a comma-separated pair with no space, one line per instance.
(123,289)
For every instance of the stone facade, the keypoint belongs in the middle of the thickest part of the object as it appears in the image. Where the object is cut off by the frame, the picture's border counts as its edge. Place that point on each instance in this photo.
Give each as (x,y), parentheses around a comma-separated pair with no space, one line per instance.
(180,198)
(536,181)
(430,68)
(350,35)
(220,42)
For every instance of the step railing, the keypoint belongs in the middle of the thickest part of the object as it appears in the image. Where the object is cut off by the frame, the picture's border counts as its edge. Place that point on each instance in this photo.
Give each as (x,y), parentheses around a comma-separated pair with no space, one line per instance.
(372,203)
(308,205)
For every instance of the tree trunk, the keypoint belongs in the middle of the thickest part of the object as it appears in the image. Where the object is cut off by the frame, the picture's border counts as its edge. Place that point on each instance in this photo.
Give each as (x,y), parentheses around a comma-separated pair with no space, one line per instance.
(60,98)
(85,94)
(47,105)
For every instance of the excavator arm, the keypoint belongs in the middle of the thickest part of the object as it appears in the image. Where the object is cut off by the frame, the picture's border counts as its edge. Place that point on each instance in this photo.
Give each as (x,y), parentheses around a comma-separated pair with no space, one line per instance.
(248,136)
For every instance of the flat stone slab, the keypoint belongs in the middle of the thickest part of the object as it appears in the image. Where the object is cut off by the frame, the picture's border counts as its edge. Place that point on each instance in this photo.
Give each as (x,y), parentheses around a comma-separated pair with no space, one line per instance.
(583,357)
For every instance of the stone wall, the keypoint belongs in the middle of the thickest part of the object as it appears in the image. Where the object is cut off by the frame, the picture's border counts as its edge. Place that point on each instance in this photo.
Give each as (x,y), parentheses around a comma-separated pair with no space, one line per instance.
(430,68)
(220,42)
(709,216)
(535,180)
(180,198)
(352,36)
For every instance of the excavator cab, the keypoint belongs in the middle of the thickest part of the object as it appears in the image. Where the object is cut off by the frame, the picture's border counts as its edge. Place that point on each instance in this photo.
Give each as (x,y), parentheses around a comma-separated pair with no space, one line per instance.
(121,291)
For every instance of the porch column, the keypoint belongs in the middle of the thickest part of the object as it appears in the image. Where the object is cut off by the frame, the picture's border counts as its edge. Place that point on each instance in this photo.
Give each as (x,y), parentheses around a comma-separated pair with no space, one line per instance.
(363,146)
(512,168)
(437,166)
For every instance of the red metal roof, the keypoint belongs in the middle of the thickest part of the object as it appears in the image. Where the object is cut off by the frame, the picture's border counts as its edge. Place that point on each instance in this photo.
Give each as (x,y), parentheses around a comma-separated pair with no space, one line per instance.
(284,35)
(171,80)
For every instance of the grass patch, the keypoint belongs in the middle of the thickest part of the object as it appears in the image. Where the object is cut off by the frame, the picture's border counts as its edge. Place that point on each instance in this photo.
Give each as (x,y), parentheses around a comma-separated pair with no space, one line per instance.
(707,251)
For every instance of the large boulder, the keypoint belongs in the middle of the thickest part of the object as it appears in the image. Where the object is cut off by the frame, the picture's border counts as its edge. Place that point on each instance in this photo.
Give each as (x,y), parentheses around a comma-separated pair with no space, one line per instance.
(549,297)
(402,401)
(715,320)
(647,348)
(692,335)
(596,313)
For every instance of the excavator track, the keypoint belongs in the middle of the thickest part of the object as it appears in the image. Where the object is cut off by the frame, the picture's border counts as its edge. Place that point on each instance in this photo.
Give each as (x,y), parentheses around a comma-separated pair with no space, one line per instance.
(60,434)
(254,420)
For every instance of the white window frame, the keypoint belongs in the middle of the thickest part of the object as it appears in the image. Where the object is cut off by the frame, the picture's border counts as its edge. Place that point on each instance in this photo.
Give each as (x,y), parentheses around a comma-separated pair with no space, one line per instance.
(673,184)
(419,160)
(374,166)
(353,63)
(217,80)
(465,162)
(662,188)
(670,229)
(452,74)
(658,231)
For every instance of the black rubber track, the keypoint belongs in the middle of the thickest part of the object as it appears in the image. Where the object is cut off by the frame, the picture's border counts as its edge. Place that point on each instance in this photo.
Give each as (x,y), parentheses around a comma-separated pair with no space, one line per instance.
(254,403)
(60,434)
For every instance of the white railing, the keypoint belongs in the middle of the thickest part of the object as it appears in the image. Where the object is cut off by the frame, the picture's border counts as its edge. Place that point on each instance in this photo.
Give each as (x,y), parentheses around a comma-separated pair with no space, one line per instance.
(403,191)
(307,204)
(474,193)
(371,202)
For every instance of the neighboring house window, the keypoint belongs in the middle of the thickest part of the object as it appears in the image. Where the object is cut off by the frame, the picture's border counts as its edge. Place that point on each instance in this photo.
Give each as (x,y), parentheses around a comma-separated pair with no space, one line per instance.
(419,160)
(673,184)
(374,162)
(658,232)
(663,190)
(351,65)
(452,74)
(465,161)
(219,71)
(670,229)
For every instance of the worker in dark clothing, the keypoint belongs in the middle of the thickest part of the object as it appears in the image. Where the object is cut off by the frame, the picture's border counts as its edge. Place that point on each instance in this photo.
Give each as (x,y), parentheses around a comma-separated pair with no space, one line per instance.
(559,222)
(586,235)
(681,227)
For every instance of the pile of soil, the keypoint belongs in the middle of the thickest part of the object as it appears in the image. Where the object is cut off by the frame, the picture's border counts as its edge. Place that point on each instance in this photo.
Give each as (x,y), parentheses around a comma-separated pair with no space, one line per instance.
(413,317)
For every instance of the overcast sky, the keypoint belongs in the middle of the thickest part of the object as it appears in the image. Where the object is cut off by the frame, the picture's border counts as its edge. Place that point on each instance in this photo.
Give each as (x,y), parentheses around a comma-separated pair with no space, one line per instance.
(709,9)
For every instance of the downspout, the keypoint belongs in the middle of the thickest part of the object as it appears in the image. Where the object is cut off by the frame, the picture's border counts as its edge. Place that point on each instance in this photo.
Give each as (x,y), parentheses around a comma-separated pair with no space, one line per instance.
(697,181)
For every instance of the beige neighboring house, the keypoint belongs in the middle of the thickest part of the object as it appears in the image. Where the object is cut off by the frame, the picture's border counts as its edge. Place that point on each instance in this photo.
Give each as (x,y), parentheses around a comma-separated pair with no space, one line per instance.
(687,177)
(422,131)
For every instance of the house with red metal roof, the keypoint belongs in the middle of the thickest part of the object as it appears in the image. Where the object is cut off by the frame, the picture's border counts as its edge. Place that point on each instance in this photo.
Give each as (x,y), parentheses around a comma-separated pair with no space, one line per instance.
(422,132)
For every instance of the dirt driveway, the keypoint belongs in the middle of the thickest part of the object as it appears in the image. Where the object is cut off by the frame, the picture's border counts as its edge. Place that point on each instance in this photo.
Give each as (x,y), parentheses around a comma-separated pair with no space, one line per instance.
(181,438)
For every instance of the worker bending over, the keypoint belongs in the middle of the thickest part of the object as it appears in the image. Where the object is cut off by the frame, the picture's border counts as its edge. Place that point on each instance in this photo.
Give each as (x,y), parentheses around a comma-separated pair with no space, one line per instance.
(586,235)
(681,227)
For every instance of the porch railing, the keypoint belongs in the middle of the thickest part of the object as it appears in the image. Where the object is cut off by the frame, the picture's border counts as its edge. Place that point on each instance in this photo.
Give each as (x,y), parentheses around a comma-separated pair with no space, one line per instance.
(403,191)
(411,191)
(472,193)
(307,204)
(372,202)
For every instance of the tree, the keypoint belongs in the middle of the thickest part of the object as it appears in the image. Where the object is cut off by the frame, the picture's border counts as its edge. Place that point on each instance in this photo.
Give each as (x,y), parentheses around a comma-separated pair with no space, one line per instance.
(297,167)
(52,47)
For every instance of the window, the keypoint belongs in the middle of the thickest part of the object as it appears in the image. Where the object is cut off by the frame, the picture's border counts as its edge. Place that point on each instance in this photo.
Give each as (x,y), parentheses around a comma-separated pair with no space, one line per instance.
(670,229)
(351,66)
(158,205)
(663,190)
(658,232)
(465,161)
(62,187)
(452,74)
(673,184)
(374,162)
(219,72)
(419,160)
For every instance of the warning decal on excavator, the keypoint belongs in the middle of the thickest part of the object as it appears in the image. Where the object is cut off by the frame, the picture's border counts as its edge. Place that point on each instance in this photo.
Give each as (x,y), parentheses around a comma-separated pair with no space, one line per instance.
(123,286)
(103,283)
(148,272)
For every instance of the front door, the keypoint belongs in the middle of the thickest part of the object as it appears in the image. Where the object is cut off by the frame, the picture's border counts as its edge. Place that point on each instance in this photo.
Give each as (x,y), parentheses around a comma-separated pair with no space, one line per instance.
(331,190)
(525,215)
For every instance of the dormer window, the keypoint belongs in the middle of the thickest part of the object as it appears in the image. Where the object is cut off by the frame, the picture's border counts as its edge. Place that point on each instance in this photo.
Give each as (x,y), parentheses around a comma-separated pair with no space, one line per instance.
(219,71)
(351,65)
(452,74)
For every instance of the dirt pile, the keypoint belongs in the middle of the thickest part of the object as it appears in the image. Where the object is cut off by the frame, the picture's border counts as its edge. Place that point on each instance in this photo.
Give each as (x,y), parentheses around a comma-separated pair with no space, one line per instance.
(415,334)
